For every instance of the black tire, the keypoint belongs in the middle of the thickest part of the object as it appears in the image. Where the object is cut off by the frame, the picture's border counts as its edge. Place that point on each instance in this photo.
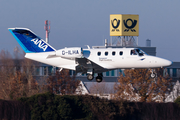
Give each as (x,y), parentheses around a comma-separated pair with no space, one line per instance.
(98,79)
(153,75)
(90,77)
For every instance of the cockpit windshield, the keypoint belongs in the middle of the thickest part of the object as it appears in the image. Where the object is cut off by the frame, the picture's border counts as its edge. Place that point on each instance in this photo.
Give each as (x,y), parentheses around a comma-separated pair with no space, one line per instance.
(140,52)
(137,52)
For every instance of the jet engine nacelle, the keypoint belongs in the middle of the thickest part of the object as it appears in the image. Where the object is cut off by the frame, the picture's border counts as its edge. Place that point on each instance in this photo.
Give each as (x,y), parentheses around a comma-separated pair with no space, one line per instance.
(71,53)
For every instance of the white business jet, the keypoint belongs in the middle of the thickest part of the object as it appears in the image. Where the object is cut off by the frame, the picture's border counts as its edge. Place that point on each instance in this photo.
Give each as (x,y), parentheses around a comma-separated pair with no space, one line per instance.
(86,61)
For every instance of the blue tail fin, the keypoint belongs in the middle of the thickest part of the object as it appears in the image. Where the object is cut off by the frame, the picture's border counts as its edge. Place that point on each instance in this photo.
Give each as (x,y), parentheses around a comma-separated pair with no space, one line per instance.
(29,41)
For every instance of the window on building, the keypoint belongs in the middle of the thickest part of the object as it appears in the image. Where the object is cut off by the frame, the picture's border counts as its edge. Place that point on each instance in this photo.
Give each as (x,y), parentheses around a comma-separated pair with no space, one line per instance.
(178,72)
(107,73)
(165,73)
(121,72)
(121,53)
(106,53)
(50,70)
(174,72)
(99,53)
(70,72)
(113,53)
(45,70)
(168,71)
(112,73)
(74,72)
(37,71)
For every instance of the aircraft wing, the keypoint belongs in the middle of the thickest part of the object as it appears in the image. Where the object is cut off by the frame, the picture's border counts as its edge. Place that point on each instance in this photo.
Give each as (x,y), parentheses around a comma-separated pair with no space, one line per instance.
(85,64)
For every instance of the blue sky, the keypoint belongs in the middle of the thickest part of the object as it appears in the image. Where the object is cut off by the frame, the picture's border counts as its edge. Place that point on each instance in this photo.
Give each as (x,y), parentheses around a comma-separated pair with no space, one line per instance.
(77,23)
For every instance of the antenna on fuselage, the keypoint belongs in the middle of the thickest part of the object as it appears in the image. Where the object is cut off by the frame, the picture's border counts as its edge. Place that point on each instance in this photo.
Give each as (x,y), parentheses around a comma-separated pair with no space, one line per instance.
(106,42)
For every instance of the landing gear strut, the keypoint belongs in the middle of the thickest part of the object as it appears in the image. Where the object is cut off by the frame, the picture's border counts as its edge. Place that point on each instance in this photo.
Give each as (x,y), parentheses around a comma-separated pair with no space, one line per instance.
(99,77)
(90,74)
(153,74)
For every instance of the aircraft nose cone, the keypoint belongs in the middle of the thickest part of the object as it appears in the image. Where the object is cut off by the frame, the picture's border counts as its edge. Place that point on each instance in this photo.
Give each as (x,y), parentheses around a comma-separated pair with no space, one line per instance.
(169,62)
(159,62)
(166,62)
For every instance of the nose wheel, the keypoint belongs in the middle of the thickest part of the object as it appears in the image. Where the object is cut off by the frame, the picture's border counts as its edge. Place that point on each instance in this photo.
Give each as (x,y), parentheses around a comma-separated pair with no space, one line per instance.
(153,74)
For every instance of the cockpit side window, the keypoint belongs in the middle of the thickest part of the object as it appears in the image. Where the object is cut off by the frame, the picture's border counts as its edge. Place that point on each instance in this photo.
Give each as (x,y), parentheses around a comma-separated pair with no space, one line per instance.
(133,52)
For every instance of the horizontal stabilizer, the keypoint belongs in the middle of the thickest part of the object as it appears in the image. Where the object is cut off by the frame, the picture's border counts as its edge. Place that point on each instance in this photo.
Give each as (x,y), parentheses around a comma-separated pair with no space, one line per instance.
(51,56)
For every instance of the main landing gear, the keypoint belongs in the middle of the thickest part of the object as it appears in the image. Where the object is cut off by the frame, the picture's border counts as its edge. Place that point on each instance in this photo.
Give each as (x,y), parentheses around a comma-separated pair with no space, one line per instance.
(90,77)
(98,78)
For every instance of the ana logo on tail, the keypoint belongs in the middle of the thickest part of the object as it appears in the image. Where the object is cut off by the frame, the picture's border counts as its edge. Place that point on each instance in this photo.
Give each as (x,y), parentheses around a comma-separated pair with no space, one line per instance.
(40,44)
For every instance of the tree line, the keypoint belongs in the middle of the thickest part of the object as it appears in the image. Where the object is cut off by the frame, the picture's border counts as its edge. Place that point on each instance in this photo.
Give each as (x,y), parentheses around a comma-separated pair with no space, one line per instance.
(17,78)
(48,106)
(137,85)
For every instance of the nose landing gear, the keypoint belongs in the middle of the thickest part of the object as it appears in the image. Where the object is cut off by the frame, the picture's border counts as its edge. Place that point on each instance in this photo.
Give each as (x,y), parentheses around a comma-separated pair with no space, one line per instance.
(153,74)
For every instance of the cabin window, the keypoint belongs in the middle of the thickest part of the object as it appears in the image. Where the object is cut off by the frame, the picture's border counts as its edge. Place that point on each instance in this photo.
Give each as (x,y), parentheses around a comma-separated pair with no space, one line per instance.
(106,53)
(113,53)
(99,53)
(121,53)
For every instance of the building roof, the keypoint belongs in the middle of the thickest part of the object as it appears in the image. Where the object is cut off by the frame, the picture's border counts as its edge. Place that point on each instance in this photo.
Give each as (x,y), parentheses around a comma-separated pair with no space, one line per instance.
(100,88)
(174,65)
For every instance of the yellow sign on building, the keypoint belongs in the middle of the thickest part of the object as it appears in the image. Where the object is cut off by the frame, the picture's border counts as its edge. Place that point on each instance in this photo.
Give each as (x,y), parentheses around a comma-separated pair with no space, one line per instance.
(124,25)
